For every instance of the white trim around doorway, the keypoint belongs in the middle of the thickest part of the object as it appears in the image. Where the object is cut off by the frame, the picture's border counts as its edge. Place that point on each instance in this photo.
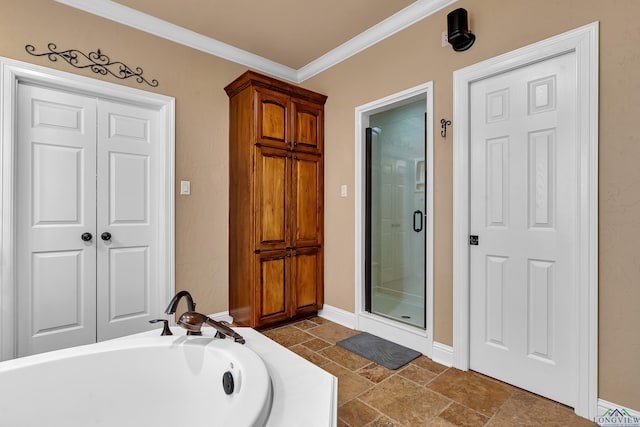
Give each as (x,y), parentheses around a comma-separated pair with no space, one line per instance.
(584,42)
(418,339)
(13,72)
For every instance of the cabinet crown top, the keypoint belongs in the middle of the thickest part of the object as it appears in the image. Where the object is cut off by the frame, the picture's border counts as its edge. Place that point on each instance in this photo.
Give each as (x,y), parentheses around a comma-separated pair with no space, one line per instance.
(251,78)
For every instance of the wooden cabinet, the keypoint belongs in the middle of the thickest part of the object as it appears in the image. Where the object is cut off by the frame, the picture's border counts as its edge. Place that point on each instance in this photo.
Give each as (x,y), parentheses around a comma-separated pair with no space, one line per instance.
(276,198)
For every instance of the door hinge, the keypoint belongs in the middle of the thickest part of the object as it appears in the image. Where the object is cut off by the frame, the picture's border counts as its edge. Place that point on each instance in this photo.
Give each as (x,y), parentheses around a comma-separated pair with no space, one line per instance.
(473,240)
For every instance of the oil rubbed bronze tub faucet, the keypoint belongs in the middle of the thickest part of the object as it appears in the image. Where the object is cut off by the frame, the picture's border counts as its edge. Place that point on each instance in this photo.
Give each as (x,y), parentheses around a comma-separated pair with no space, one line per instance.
(173,304)
(193,321)
(191,306)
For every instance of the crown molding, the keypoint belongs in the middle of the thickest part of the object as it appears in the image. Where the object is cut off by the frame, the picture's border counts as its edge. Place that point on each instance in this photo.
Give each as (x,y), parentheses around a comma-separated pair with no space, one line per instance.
(141,21)
(133,18)
(406,17)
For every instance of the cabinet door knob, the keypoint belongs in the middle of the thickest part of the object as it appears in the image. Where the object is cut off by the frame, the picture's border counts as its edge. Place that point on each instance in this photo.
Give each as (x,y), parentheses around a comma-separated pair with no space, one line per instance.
(86,237)
(106,236)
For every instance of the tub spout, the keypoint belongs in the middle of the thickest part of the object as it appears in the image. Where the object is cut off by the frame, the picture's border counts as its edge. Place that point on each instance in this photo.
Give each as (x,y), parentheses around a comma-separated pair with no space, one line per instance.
(193,321)
(173,304)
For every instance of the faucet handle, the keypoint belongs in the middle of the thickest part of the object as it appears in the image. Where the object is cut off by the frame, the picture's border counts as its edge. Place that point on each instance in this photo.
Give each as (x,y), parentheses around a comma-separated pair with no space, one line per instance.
(165,328)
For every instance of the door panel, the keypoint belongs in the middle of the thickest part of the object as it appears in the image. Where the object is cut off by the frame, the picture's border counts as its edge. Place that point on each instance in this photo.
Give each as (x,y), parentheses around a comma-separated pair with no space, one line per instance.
(396,200)
(272,124)
(129,288)
(273,172)
(307,200)
(57,286)
(307,280)
(129,188)
(59,200)
(56,269)
(273,276)
(523,208)
(307,126)
(127,144)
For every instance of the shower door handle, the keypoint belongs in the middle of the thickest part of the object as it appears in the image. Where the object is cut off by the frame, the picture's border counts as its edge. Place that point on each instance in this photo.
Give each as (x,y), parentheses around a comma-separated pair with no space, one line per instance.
(420,215)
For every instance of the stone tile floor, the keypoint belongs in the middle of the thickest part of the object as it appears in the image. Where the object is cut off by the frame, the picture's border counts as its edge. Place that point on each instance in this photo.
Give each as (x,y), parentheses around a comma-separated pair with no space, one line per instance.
(421,393)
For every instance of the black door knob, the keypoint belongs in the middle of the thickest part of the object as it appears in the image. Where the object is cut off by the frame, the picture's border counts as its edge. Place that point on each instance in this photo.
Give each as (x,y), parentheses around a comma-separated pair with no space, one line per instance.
(105,236)
(86,237)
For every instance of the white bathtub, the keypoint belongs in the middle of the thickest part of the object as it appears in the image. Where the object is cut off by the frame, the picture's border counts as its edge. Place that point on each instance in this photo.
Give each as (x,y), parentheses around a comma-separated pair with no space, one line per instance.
(142,380)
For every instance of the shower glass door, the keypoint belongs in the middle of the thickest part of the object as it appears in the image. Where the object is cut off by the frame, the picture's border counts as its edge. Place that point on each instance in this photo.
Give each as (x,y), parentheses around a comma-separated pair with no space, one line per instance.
(395,213)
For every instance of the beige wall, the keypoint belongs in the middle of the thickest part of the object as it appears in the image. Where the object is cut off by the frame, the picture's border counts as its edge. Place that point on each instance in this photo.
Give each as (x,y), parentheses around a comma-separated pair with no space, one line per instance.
(415,56)
(196,80)
(410,57)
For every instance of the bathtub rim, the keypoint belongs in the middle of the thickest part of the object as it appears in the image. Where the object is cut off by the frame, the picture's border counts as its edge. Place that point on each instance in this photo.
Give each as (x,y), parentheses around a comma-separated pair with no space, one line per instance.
(243,355)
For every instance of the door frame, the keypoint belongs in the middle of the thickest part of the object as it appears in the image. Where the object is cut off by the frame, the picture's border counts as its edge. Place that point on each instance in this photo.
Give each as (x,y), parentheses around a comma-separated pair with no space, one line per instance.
(409,336)
(12,73)
(584,42)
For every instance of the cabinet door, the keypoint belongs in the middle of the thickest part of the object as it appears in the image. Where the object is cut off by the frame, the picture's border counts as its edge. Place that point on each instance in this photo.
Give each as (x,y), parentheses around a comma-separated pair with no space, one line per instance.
(272,291)
(272,118)
(272,205)
(306,285)
(307,126)
(307,195)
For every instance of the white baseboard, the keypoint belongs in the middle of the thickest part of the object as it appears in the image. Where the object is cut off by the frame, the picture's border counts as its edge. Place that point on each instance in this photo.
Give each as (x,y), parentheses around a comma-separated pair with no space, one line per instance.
(604,407)
(222,316)
(338,315)
(442,354)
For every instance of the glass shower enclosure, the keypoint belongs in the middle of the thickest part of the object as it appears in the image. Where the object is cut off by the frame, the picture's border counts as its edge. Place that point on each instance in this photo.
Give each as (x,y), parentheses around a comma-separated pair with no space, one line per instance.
(395,222)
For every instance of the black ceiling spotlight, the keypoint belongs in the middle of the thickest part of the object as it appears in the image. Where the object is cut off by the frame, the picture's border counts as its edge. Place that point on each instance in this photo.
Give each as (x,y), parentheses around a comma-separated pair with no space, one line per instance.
(458,32)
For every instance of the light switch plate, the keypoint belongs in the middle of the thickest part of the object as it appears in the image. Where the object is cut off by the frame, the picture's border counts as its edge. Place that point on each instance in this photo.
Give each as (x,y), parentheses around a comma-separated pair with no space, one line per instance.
(343,190)
(445,39)
(185,188)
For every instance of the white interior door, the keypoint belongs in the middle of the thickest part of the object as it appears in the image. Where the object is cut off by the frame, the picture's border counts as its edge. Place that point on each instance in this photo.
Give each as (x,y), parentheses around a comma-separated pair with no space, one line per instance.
(56,205)
(127,273)
(523,183)
(84,168)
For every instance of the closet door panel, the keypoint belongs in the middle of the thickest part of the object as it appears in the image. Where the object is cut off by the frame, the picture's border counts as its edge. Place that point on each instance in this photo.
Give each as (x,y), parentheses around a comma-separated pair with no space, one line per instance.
(127,219)
(272,189)
(272,286)
(308,119)
(272,118)
(306,282)
(56,220)
(307,200)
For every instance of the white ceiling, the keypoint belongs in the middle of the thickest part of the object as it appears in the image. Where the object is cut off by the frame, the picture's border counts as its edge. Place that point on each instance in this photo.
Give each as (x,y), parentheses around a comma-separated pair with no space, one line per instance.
(290,39)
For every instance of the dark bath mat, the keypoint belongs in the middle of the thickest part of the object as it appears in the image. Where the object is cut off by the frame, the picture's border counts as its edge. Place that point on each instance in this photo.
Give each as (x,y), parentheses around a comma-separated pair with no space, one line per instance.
(383,352)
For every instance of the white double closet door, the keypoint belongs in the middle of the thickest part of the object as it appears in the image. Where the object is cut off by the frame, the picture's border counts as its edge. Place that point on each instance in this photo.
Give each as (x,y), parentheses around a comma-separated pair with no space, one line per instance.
(86,219)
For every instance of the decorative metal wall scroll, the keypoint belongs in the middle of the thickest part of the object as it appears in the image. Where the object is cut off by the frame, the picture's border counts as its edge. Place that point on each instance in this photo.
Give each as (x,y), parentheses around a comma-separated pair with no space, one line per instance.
(97,61)
(444,123)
